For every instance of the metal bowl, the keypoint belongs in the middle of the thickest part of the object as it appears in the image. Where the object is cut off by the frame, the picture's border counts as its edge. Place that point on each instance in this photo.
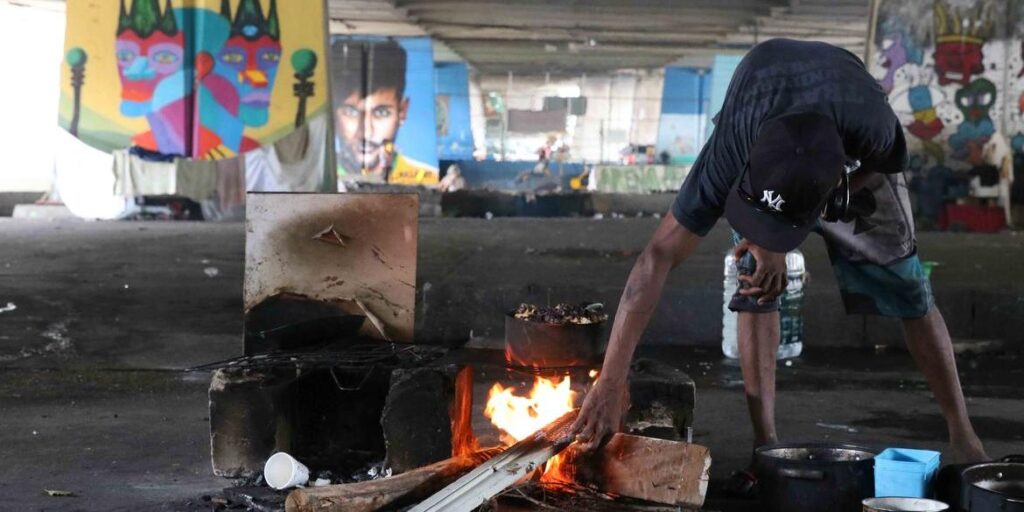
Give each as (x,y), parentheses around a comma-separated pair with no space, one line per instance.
(903,505)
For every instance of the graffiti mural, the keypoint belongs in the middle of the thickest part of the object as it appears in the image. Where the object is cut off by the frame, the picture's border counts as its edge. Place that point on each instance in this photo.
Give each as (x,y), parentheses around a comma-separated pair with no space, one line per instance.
(384,110)
(975,103)
(927,125)
(194,78)
(955,77)
(898,49)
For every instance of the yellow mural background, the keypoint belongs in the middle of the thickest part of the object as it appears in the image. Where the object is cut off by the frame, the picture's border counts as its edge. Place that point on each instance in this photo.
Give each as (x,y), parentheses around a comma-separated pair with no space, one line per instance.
(92,26)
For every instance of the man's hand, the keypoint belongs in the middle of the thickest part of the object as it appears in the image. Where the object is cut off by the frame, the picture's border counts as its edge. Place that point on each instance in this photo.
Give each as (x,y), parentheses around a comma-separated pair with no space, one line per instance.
(601,414)
(769,279)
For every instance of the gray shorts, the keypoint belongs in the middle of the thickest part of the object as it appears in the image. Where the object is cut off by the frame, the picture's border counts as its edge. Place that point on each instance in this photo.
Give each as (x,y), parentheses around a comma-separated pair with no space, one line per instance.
(874,254)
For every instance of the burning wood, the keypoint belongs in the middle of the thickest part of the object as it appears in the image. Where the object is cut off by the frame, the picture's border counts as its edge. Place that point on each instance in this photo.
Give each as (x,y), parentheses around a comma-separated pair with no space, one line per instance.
(645,468)
(393,491)
(497,474)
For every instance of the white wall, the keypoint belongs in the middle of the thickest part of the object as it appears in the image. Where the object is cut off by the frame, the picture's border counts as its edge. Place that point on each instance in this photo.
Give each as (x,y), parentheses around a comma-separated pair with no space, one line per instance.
(622,108)
(32,39)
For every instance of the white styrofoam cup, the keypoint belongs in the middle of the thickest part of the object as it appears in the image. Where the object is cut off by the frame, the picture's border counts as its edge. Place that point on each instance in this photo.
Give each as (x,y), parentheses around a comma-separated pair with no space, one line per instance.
(282,471)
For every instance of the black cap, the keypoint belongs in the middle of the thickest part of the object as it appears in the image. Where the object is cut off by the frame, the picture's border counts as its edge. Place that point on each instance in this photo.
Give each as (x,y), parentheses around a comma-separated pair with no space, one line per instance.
(795,163)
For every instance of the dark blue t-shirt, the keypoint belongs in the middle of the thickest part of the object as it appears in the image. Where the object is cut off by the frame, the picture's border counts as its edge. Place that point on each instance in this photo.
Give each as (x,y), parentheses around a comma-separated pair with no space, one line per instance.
(779,77)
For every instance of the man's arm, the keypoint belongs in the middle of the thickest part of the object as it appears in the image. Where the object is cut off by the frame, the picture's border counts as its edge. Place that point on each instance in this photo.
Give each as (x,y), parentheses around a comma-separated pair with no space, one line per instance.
(602,410)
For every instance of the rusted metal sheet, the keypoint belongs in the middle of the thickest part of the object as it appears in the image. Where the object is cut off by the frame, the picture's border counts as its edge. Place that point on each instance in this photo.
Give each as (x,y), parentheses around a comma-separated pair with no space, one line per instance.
(354,250)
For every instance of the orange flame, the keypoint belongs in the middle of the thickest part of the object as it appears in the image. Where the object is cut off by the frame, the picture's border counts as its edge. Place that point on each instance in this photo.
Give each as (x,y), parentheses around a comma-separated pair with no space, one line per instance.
(520,416)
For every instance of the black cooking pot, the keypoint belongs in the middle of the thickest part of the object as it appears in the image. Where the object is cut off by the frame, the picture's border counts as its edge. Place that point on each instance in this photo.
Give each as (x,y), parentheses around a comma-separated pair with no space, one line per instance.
(544,345)
(994,486)
(814,477)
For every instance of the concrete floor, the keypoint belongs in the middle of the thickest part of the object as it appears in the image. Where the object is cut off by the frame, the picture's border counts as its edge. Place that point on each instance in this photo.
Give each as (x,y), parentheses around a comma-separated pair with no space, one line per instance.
(94,399)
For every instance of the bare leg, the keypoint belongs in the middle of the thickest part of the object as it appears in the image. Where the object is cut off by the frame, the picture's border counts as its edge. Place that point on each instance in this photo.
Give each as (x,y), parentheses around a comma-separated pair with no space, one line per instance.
(759,336)
(929,343)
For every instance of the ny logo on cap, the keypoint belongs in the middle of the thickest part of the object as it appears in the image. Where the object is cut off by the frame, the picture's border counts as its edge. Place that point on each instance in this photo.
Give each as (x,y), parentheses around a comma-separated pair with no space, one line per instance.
(773,201)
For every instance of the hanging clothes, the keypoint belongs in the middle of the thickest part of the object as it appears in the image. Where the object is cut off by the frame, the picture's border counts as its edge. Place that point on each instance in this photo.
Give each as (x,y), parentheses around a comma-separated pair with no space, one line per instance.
(134,176)
(293,148)
(231,182)
(300,171)
(196,179)
(83,179)
(229,202)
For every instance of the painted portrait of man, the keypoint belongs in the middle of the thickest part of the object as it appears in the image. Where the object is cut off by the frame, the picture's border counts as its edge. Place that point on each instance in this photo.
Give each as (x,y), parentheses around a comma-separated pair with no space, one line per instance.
(370,106)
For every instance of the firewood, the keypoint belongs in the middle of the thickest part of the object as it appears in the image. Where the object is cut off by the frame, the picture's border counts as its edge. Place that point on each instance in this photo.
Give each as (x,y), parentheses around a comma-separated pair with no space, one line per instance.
(519,461)
(645,468)
(375,494)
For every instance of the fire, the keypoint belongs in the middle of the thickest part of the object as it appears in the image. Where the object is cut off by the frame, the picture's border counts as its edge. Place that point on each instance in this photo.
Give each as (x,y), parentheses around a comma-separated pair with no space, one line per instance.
(520,416)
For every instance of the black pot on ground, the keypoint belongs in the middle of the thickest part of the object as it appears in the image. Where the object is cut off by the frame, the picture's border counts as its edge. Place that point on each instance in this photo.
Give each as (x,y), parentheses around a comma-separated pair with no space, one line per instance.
(955,485)
(994,486)
(814,477)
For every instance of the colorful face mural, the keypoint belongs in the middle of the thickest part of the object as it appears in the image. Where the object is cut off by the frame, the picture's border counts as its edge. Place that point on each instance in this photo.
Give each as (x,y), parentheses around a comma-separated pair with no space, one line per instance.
(949,100)
(974,101)
(373,107)
(149,49)
(251,56)
(197,81)
(959,40)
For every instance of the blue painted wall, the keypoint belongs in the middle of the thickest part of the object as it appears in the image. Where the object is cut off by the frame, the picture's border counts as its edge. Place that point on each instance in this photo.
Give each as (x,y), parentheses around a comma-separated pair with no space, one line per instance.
(451,81)
(684,107)
(721,74)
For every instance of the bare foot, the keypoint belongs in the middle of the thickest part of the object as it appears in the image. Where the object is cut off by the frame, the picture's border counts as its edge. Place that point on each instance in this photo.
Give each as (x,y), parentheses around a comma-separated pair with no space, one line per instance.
(968,450)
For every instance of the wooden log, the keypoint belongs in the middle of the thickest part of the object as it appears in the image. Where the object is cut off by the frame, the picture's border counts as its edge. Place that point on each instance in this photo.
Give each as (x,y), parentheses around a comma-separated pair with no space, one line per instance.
(517,462)
(645,468)
(376,494)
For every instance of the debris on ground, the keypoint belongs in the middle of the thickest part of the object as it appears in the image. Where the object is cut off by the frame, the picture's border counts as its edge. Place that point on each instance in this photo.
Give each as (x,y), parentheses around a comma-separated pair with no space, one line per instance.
(562,314)
(57,493)
(836,426)
(9,307)
(211,271)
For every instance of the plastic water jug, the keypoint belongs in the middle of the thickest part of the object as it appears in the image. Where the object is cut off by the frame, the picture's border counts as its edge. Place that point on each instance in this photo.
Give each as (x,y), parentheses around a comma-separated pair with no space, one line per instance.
(790,308)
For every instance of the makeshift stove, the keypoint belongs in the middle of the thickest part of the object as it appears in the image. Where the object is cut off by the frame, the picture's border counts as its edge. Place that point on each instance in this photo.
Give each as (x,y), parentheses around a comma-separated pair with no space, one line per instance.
(523,404)
(329,375)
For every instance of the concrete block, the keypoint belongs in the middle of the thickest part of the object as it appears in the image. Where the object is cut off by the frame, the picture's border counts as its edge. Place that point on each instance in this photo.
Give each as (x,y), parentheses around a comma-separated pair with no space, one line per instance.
(661,400)
(427,416)
(243,421)
(326,418)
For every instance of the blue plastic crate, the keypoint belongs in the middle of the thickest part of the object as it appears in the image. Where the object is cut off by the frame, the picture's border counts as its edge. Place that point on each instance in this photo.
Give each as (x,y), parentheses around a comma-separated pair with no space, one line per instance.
(906,472)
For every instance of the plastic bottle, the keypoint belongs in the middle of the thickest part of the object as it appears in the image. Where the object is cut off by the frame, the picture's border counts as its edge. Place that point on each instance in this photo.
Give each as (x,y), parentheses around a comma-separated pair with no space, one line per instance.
(791,326)
(791,317)
(729,338)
